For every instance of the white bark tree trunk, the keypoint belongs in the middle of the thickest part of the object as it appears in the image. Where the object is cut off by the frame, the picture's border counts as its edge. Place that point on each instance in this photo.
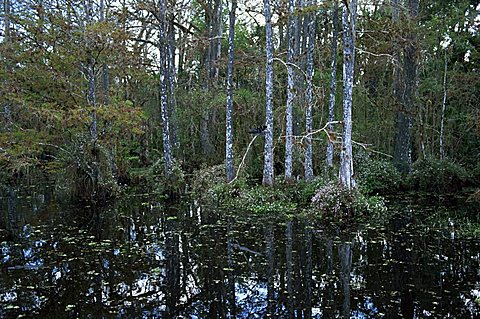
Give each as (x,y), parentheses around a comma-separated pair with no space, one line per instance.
(229,107)
(444,106)
(268,151)
(7,116)
(308,165)
(290,92)
(163,50)
(346,155)
(333,84)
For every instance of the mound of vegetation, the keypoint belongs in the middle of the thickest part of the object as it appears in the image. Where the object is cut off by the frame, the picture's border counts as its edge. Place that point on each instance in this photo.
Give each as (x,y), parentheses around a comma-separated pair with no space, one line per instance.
(434,175)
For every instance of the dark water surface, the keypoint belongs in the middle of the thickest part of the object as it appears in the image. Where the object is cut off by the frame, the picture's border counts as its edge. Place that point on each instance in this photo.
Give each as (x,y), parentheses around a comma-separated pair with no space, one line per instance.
(141,259)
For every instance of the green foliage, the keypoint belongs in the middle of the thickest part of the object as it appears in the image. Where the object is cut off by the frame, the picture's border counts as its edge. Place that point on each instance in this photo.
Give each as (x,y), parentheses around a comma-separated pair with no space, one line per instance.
(205,180)
(437,176)
(334,201)
(152,179)
(378,176)
(300,192)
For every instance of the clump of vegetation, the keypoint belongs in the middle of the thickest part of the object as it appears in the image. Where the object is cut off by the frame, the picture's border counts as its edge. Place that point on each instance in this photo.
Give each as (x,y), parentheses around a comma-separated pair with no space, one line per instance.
(151,178)
(436,175)
(319,197)
(334,201)
(206,182)
(378,176)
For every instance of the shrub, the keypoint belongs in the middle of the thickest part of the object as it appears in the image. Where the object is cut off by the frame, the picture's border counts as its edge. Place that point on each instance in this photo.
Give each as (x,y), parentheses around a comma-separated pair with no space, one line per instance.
(333,200)
(375,175)
(437,176)
(206,179)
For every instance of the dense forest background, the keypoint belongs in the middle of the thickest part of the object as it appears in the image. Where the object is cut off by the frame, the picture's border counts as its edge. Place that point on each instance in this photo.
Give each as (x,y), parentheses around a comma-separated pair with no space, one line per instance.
(123,92)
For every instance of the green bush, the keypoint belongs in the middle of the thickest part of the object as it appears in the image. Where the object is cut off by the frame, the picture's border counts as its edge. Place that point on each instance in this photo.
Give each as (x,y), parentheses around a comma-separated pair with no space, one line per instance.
(334,201)
(375,175)
(436,175)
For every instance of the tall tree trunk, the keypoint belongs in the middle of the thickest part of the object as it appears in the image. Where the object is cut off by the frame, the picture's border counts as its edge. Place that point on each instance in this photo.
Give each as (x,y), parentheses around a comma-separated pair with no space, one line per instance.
(346,155)
(105,71)
(172,102)
(163,50)
(333,84)
(290,91)
(309,96)
(90,72)
(402,156)
(229,107)
(218,38)
(7,116)
(268,151)
(444,106)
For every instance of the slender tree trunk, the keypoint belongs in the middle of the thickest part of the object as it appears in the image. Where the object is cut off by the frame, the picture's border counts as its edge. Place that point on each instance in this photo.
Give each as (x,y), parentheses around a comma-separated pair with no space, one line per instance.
(6,14)
(402,156)
(309,95)
(90,73)
(290,92)
(333,84)
(268,152)
(281,36)
(172,105)
(105,71)
(163,50)
(7,116)
(444,106)
(218,39)
(229,107)
(346,155)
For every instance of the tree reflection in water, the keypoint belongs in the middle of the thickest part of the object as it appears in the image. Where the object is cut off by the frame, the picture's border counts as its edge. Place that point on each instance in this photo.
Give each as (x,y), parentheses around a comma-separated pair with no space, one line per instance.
(142,259)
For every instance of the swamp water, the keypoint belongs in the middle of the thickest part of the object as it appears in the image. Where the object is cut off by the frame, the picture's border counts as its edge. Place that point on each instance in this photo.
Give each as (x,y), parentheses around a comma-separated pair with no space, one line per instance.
(140,259)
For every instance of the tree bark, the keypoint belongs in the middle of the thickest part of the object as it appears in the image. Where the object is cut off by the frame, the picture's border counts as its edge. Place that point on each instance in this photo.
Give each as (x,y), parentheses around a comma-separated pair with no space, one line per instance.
(229,107)
(308,166)
(172,102)
(7,115)
(268,151)
(346,155)
(163,50)
(333,84)
(90,72)
(105,71)
(444,106)
(290,92)
(402,157)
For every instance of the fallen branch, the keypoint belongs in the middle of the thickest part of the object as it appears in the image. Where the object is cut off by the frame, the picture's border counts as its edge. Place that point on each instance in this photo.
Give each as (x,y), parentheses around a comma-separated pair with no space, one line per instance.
(243,159)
